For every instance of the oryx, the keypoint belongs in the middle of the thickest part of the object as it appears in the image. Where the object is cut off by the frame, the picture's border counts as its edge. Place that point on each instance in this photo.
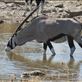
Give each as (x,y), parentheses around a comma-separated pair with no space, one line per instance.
(37,3)
(46,29)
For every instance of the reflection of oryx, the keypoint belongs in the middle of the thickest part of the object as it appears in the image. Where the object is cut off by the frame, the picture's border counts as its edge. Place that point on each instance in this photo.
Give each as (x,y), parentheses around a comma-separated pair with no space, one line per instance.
(37,3)
(45,29)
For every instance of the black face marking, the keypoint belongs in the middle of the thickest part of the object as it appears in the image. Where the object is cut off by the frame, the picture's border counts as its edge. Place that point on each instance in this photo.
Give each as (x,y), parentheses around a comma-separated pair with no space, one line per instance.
(10,44)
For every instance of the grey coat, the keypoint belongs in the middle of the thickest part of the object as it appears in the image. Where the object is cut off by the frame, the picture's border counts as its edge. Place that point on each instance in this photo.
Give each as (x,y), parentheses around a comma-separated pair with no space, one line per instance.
(43,28)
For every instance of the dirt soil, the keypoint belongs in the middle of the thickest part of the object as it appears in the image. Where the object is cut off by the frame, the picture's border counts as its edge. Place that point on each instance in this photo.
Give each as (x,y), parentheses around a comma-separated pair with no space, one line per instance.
(13,11)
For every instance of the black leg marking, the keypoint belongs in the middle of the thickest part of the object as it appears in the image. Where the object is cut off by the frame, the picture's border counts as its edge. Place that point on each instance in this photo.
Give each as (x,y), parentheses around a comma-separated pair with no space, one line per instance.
(71,45)
(51,47)
(53,39)
(70,41)
(45,48)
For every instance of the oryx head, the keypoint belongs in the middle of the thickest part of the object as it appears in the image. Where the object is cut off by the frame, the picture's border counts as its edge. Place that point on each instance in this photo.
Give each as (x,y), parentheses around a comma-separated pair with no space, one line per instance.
(11,43)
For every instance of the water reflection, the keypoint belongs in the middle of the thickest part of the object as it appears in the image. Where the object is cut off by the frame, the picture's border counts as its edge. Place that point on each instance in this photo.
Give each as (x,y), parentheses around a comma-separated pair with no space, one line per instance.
(71,62)
(16,57)
(73,69)
(64,71)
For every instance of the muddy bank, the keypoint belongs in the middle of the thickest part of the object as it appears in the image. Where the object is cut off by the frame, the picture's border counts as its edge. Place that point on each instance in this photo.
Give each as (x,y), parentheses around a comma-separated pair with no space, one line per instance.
(49,71)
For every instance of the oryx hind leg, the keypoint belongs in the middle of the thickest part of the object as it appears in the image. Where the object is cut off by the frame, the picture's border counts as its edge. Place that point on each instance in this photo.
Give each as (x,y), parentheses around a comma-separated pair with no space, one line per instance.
(45,47)
(52,50)
(71,45)
(44,53)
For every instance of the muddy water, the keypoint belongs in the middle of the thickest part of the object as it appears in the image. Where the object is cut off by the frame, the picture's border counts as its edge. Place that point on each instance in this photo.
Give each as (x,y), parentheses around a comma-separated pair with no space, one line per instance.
(30,57)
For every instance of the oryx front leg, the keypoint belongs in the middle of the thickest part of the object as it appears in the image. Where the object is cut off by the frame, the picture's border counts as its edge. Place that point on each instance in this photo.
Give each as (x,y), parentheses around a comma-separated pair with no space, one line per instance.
(71,45)
(51,47)
(44,47)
